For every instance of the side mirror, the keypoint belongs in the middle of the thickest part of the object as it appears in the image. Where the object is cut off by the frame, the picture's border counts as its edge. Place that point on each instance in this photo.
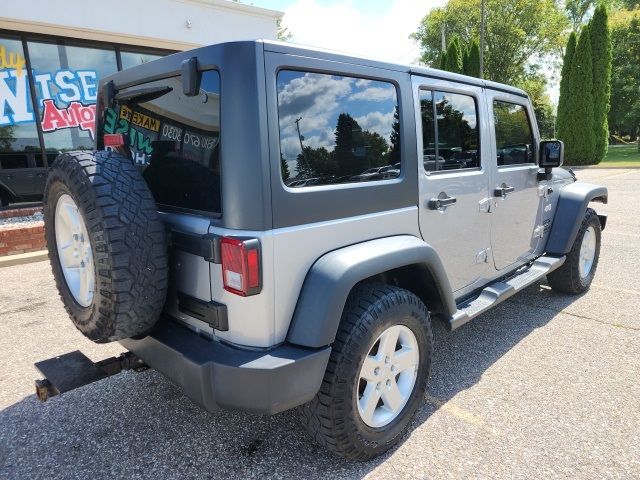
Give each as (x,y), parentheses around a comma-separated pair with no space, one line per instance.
(551,154)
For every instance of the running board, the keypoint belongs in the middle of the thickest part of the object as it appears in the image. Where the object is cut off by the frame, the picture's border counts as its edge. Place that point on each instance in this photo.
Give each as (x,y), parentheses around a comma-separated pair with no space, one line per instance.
(498,292)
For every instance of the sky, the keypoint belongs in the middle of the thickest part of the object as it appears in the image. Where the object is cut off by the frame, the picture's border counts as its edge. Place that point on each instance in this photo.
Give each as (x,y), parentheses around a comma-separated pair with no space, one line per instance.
(374,28)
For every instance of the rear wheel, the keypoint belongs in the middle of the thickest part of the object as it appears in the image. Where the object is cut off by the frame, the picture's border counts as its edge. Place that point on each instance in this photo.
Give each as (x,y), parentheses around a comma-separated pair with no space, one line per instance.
(377,373)
(106,244)
(577,272)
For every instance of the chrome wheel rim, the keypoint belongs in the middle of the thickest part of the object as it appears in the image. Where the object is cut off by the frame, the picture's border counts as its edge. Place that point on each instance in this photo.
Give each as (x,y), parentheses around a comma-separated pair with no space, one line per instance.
(74,251)
(587,252)
(387,376)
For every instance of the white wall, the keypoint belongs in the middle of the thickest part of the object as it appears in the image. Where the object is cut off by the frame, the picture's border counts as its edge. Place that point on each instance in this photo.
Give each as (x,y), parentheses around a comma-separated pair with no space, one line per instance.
(153,23)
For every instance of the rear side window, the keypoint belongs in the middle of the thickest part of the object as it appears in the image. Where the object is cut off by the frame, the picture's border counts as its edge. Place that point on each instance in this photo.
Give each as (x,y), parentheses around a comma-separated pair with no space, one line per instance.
(451,141)
(13,160)
(336,129)
(514,139)
(175,140)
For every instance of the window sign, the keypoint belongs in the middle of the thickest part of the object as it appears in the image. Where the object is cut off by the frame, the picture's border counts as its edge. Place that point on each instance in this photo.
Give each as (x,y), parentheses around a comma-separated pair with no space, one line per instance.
(66,80)
(18,131)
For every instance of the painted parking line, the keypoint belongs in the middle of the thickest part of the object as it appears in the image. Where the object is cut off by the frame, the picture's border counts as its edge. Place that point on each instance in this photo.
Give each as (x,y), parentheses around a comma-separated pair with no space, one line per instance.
(462,414)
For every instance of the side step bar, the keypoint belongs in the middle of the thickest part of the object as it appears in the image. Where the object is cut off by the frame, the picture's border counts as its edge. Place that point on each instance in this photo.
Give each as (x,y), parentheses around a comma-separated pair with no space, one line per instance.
(498,292)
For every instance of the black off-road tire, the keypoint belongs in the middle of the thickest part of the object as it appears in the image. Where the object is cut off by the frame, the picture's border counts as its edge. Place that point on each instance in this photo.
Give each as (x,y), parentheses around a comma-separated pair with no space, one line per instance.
(127,240)
(332,417)
(567,278)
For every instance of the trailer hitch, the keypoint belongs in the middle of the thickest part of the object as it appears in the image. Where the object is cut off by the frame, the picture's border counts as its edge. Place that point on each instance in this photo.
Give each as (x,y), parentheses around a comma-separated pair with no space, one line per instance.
(74,369)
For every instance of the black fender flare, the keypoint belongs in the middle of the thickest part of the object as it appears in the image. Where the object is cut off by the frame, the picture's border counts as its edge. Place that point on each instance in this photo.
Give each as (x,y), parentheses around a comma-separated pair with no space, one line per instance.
(330,279)
(572,206)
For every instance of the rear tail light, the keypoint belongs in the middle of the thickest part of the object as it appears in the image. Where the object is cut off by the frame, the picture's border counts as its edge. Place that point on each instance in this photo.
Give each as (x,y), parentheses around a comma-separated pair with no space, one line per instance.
(241,273)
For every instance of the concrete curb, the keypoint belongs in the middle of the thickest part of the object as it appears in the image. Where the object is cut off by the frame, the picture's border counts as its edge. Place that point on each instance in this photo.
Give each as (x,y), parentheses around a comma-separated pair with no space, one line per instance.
(597,167)
(24,258)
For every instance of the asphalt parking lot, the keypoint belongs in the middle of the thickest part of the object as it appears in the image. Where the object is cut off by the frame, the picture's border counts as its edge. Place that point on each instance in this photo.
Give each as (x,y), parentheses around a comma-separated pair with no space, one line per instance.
(544,386)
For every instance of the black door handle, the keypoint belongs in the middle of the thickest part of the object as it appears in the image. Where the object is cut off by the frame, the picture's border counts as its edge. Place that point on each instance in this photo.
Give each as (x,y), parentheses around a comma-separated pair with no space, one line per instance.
(441,202)
(503,190)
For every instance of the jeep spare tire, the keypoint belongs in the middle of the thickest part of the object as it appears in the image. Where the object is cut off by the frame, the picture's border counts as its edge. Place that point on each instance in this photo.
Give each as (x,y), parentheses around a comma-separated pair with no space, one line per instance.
(106,244)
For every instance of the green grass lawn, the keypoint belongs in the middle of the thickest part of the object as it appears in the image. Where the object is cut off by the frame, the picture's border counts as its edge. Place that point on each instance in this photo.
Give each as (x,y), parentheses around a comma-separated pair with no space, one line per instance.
(621,156)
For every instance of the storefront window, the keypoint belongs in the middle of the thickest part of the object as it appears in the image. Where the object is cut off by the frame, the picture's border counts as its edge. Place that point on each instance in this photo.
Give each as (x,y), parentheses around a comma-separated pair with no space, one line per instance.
(18,131)
(131,59)
(66,80)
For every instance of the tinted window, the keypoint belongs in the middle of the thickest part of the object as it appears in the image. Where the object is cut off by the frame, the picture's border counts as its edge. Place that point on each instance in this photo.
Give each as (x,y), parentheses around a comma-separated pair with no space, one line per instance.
(514,140)
(66,81)
(18,131)
(456,144)
(10,161)
(336,129)
(175,140)
(131,59)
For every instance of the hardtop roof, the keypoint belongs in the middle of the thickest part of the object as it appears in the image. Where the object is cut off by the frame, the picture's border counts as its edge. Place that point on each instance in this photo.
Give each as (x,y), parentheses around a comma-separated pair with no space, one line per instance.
(171,63)
(308,51)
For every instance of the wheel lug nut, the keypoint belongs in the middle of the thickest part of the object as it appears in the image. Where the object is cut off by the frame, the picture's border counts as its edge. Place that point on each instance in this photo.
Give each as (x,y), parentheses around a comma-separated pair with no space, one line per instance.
(376,371)
(386,359)
(393,368)
(389,383)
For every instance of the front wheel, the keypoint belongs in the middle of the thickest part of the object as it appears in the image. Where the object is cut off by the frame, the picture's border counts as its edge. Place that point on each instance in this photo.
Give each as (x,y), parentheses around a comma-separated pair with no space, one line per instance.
(577,272)
(377,373)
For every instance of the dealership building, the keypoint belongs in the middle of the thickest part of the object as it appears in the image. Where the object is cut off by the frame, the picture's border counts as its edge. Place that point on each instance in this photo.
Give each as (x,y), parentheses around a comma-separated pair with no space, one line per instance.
(52,55)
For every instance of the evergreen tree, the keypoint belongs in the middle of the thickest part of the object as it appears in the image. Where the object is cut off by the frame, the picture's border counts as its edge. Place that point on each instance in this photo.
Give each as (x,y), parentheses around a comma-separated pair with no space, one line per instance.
(394,153)
(563,102)
(284,167)
(443,61)
(349,151)
(472,60)
(602,55)
(580,140)
(465,59)
(454,56)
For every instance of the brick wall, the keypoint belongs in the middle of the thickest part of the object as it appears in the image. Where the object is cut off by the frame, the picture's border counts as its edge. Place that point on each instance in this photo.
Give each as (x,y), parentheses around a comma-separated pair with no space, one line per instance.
(22,240)
(18,238)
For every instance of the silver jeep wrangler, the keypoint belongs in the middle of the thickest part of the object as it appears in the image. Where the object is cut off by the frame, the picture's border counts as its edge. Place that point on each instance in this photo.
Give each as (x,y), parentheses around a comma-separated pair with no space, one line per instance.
(273,227)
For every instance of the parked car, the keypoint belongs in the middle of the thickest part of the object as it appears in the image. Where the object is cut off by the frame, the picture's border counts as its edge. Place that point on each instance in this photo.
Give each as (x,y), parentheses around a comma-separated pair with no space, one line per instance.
(22,177)
(255,296)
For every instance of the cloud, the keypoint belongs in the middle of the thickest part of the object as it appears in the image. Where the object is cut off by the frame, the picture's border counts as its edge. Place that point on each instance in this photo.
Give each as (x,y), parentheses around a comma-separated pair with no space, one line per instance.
(374,94)
(377,30)
(378,122)
(313,98)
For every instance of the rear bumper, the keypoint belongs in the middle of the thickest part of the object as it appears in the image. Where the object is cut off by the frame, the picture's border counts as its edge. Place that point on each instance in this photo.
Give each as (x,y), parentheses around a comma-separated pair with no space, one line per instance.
(216,375)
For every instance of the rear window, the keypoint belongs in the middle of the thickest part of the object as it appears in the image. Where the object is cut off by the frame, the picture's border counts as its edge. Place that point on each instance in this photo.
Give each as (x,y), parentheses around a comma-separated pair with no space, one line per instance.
(174,139)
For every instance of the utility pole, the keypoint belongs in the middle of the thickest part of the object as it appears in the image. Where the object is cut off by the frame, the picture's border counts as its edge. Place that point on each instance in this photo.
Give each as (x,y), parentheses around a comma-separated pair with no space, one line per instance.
(444,40)
(300,138)
(482,28)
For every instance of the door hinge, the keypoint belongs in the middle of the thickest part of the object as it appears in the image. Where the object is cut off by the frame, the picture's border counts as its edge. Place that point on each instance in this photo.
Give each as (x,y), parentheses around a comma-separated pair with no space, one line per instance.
(213,313)
(206,246)
(484,205)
